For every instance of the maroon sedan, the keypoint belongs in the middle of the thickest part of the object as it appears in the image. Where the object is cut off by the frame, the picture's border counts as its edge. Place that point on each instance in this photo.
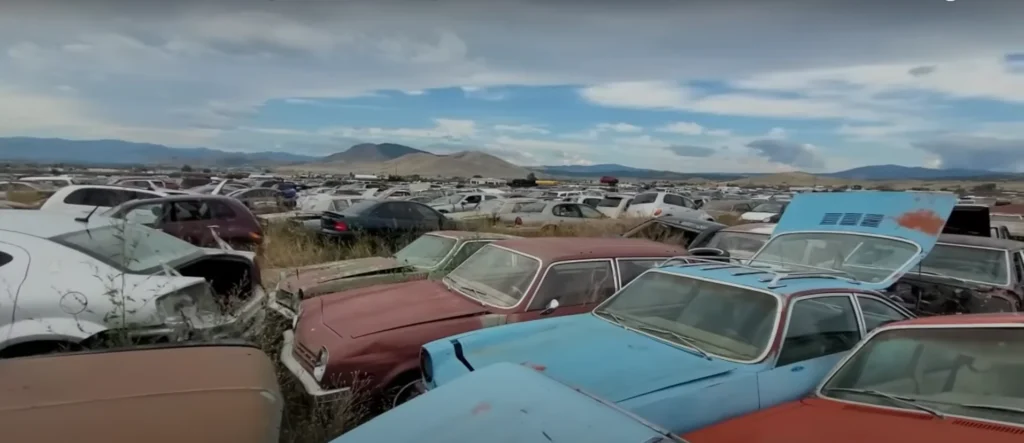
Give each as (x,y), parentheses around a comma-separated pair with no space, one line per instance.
(370,338)
(194,218)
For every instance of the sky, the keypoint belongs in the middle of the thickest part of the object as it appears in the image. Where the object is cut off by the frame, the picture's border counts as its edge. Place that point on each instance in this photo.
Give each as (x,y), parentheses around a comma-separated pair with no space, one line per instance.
(682,85)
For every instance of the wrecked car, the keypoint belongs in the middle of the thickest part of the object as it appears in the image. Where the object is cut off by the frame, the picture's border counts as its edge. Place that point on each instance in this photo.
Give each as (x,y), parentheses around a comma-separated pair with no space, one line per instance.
(698,341)
(118,282)
(195,219)
(948,379)
(739,241)
(369,339)
(434,252)
(218,392)
(517,403)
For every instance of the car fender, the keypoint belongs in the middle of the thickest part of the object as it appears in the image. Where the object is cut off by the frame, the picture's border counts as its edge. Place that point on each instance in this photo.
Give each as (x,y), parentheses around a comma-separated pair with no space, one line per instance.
(49,329)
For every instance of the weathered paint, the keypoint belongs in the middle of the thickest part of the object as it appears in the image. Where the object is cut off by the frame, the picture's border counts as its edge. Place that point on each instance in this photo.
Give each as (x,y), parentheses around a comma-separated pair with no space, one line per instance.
(508,403)
(914,216)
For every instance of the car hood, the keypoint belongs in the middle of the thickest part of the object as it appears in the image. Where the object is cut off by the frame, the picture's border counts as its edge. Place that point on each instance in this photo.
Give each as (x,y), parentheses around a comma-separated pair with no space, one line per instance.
(815,419)
(514,403)
(374,309)
(337,271)
(592,354)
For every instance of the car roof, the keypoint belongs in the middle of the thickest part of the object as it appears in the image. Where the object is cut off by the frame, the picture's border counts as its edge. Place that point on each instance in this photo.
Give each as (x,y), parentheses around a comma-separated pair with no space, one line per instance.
(46,224)
(719,272)
(753,228)
(964,319)
(983,242)
(470,235)
(550,249)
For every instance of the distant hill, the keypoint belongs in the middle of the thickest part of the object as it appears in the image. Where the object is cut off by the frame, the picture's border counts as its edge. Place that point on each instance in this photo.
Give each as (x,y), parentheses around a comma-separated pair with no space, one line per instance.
(425,164)
(621,171)
(897,172)
(864,173)
(120,152)
(371,152)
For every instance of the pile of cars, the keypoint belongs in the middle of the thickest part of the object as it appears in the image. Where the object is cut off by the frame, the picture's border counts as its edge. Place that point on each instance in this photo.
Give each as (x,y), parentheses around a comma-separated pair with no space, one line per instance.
(879,315)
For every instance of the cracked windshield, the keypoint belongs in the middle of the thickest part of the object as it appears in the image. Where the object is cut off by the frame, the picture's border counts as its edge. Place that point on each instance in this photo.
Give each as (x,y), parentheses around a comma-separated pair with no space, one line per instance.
(360,216)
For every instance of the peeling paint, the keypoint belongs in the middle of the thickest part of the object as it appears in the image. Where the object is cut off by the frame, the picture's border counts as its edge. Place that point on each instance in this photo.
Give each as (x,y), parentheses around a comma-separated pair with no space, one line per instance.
(480,408)
(534,366)
(923,220)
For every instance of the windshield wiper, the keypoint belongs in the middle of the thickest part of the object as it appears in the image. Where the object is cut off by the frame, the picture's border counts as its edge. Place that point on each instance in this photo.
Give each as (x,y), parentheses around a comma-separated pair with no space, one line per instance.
(991,407)
(686,341)
(613,315)
(899,400)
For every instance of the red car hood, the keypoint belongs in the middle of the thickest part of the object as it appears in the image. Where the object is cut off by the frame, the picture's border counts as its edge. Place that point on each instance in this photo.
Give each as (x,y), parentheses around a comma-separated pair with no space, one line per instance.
(381,308)
(336,271)
(815,420)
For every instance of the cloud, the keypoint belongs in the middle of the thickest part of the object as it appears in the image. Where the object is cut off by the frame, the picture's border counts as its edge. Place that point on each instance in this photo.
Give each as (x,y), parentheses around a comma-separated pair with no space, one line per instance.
(521,129)
(687,128)
(443,129)
(973,152)
(788,153)
(618,127)
(691,151)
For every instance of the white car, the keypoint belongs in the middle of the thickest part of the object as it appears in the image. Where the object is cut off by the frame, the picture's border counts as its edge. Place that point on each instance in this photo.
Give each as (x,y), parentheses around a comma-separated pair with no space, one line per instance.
(657,204)
(80,200)
(66,284)
(459,202)
(614,205)
(493,209)
(763,212)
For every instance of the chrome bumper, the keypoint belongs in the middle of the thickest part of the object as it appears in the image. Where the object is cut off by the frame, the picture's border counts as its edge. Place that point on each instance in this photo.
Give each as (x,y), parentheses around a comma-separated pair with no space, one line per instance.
(309,384)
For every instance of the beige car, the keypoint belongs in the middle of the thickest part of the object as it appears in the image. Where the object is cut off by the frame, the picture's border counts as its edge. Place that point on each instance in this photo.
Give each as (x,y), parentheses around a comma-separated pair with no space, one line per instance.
(185,393)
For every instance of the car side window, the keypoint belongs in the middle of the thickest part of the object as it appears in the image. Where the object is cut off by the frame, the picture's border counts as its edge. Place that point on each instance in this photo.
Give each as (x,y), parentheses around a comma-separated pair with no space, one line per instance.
(632,268)
(96,197)
(575,284)
(189,211)
(1018,267)
(589,212)
(221,210)
(421,212)
(472,200)
(566,211)
(674,200)
(490,197)
(146,214)
(877,313)
(645,198)
(818,327)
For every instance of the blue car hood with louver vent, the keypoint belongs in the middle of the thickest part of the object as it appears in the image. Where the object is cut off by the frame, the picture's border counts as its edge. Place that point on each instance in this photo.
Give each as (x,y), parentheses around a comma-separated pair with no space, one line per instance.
(917,217)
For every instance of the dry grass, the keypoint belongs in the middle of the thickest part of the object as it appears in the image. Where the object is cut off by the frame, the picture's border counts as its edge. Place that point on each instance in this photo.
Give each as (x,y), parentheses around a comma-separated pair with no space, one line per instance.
(305,422)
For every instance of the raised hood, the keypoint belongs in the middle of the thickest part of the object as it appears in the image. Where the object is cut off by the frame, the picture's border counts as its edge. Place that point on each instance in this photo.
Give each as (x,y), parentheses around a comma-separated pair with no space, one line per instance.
(381,308)
(917,217)
(589,353)
(338,271)
(509,403)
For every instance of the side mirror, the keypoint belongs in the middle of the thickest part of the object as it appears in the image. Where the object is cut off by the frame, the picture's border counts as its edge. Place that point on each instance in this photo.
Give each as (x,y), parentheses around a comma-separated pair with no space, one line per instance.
(698,204)
(552,305)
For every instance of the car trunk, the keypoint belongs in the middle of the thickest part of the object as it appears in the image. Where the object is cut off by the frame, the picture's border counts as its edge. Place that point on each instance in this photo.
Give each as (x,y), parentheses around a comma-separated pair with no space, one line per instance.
(232,277)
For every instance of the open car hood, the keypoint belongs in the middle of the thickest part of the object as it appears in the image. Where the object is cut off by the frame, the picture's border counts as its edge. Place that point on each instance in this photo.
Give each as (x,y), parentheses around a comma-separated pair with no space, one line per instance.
(511,403)
(916,217)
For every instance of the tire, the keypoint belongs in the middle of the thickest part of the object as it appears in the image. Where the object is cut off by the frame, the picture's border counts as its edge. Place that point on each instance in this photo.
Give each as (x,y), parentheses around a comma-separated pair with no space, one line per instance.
(405,393)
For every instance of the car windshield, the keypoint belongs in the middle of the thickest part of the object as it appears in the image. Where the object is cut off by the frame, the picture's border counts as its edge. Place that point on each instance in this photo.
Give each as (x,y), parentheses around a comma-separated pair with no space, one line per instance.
(865,258)
(495,276)
(741,245)
(609,202)
(972,371)
(129,247)
(982,265)
(723,320)
(771,208)
(426,251)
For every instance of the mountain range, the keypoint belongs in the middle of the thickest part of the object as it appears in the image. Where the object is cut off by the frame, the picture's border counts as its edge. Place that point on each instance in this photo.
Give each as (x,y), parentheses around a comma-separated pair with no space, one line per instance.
(392,158)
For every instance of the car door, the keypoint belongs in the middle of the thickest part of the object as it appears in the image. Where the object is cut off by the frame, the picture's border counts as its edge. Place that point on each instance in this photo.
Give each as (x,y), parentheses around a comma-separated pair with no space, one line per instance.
(425,218)
(386,219)
(578,285)
(820,330)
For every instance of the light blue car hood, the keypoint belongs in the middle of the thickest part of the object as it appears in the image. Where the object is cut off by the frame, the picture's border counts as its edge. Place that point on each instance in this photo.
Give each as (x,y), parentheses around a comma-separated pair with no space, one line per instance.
(505,403)
(594,355)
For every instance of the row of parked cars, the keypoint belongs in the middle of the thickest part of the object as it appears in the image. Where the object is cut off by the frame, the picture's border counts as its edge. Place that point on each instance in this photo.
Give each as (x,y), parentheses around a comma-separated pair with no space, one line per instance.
(669,332)
(631,339)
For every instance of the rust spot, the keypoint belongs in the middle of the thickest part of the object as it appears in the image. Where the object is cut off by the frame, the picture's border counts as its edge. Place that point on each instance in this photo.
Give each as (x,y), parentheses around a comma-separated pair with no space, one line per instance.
(481,408)
(535,366)
(922,220)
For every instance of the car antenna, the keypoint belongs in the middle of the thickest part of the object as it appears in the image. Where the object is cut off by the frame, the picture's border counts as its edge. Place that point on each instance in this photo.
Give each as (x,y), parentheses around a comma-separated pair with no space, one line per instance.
(87,216)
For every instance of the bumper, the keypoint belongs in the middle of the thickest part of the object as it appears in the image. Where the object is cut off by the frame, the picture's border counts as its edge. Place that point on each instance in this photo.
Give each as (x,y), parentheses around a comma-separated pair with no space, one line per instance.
(309,384)
(247,322)
(279,307)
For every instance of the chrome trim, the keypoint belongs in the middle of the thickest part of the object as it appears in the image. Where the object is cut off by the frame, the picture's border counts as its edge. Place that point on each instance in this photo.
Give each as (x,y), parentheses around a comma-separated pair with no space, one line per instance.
(309,384)
(760,358)
(529,288)
(818,394)
(893,276)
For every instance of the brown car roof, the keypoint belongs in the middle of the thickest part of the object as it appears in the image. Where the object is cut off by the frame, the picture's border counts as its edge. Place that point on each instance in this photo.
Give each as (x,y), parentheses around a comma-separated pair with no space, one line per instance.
(197,394)
(550,249)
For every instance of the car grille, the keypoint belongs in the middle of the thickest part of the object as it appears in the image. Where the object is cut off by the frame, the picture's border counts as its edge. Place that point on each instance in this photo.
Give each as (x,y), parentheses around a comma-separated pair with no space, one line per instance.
(305,356)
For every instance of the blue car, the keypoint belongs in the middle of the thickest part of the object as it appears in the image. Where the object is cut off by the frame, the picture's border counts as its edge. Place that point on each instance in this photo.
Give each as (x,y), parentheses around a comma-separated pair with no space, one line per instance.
(511,404)
(695,342)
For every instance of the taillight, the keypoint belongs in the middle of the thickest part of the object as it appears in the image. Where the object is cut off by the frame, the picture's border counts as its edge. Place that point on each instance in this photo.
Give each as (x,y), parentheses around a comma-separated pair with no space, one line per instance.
(519,221)
(255,236)
(340,226)
(657,212)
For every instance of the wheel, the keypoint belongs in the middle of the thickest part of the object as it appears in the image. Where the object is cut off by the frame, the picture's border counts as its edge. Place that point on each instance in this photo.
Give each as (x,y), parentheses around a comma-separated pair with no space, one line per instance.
(407,392)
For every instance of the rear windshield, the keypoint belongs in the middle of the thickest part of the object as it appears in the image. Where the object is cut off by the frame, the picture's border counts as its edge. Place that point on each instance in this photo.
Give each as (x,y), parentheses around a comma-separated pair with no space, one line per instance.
(610,202)
(129,247)
(645,198)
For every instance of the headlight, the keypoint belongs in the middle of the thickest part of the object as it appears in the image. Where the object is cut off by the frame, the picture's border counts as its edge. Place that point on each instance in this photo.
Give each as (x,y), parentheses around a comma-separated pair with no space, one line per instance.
(320,365)
(767,220)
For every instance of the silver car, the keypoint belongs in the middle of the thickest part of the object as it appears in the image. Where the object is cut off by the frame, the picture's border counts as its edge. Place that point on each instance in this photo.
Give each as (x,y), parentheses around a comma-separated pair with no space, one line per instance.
(548,215)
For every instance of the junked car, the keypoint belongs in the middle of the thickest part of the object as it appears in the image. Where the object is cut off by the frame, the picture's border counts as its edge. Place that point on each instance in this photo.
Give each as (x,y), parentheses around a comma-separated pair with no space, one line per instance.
(614,205)
(224,392)
(80,200)
(696,341)
(735,208)
(459,202)
(368,339)
(548,216)
(197,219)
(657,204)
(492,210)
(766,212)
(947,379)
(505,403)
(705,238)
(432,253)
(118,281)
